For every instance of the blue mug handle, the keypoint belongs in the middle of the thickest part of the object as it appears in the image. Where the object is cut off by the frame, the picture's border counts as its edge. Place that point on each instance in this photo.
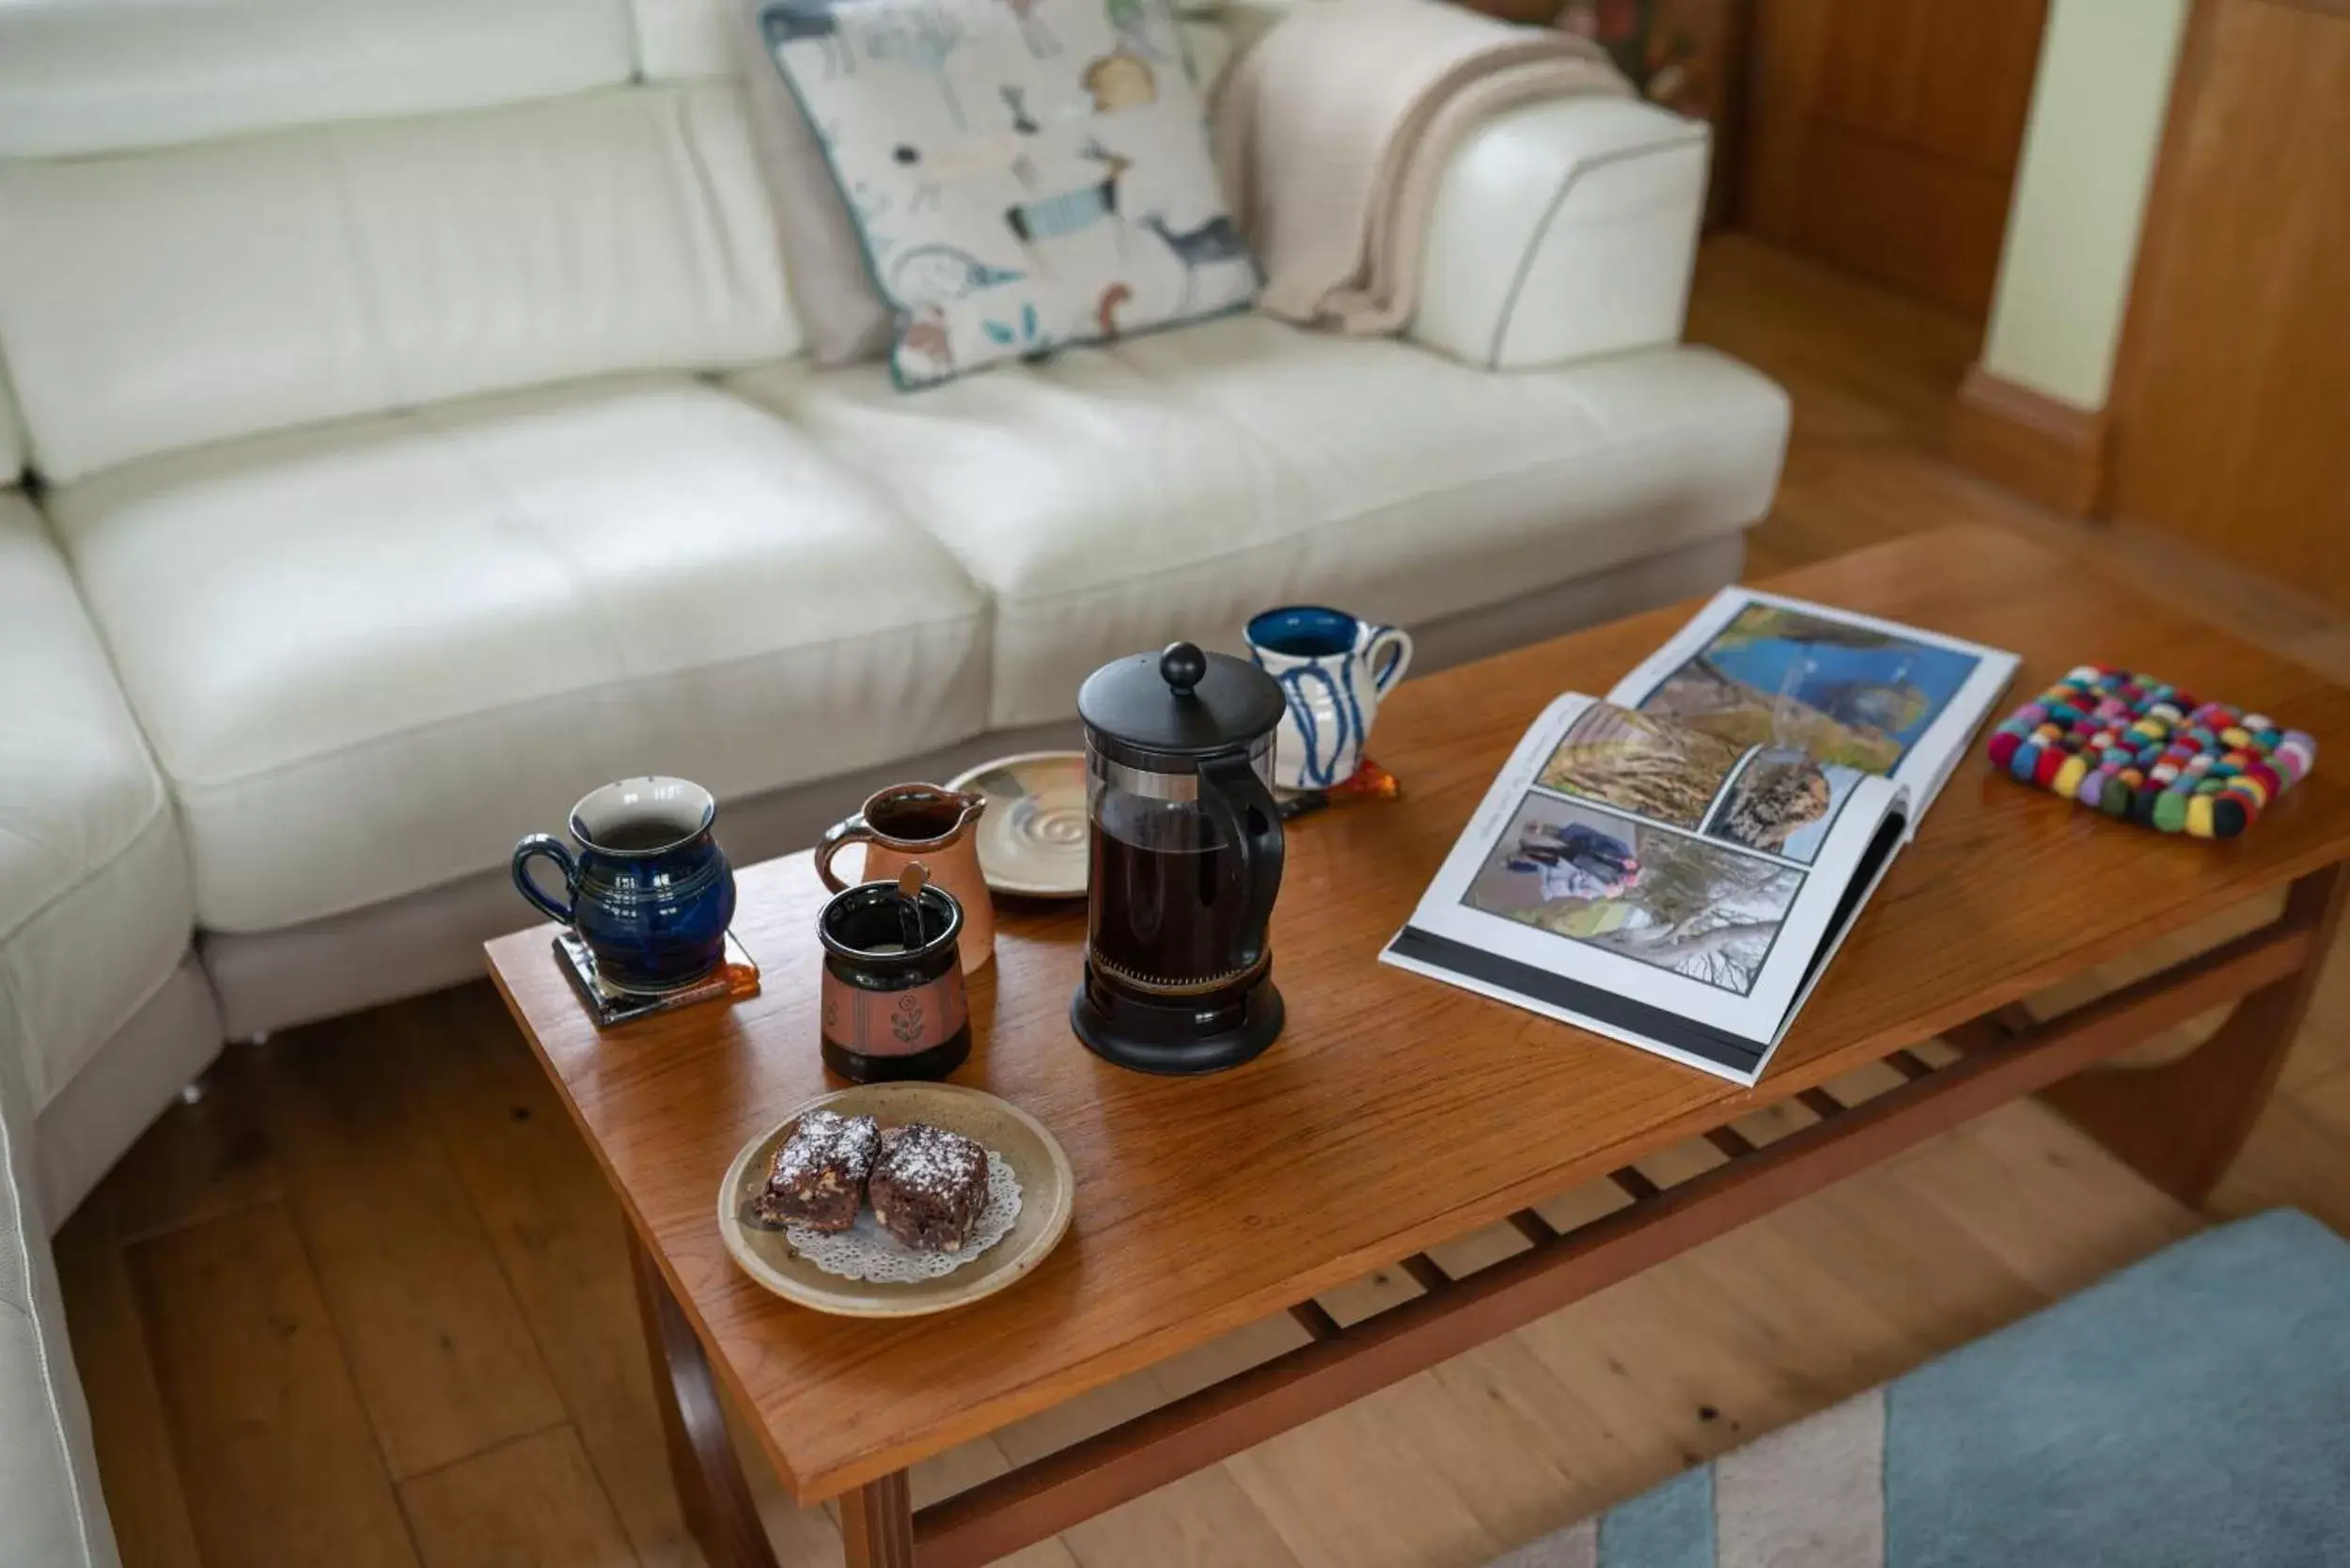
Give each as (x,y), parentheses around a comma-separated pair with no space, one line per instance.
(1396,644)
(552,847)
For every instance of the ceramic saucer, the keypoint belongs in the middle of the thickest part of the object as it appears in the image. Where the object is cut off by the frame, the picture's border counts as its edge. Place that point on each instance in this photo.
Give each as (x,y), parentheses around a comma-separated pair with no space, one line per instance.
(1033,837)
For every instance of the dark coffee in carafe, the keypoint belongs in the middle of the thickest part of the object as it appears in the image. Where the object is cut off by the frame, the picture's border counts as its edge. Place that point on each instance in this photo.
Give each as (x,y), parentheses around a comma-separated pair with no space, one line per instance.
(1168,918)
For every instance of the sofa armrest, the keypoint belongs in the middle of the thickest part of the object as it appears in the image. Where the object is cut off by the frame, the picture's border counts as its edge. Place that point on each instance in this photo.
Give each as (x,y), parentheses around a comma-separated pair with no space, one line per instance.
(95,906)
(1563,229)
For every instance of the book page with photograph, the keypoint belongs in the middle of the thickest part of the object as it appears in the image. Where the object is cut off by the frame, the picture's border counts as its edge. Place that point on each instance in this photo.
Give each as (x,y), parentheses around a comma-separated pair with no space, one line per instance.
(1653,881)
(1848,691)
(1771,799)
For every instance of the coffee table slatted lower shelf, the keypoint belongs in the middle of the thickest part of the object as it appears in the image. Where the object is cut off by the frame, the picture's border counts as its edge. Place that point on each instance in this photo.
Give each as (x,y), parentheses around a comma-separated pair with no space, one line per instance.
(1998,1059)
(1634,1184)
(1315,1319)
(1731,1141)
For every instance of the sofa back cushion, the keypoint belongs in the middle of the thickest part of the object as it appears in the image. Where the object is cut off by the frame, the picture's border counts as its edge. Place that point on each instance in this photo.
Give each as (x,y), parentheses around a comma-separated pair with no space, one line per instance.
(240,273)
(686,39)
(78,77)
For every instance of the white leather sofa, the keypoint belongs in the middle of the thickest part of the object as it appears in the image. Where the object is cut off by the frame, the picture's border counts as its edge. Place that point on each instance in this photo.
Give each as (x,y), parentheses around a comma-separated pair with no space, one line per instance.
(407,407)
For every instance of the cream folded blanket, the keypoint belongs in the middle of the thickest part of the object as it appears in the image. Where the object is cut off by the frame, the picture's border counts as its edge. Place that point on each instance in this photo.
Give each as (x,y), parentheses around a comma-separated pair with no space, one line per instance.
(1334,129)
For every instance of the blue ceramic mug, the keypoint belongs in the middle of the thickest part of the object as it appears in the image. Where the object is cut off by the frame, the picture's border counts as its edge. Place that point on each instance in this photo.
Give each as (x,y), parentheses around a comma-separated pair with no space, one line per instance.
(650,891)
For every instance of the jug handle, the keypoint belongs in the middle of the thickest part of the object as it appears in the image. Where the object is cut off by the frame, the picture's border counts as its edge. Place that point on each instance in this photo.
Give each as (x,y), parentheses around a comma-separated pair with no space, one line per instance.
(1230,793)
(848,830)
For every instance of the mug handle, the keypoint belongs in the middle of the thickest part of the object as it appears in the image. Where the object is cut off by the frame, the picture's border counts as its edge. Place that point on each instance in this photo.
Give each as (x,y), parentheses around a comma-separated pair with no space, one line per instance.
(848,830)
(1392,641)
(549,845)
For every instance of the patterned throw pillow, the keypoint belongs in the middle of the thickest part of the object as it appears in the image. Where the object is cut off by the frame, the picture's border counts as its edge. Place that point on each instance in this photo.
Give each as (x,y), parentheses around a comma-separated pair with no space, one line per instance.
(1023,173)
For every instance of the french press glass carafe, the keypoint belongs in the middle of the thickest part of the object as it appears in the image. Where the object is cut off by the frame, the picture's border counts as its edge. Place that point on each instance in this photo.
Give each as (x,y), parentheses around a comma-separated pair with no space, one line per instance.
(1185,859)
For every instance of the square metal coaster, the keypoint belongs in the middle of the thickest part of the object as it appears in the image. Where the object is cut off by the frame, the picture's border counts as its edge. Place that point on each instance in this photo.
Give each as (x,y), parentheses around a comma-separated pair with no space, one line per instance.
(607,1004)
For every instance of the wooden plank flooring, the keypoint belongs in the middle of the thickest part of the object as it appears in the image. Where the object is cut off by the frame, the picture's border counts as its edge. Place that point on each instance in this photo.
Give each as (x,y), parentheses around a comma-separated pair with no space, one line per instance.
(536,1499)
(277,1456)
(425,1316)
(367,1302)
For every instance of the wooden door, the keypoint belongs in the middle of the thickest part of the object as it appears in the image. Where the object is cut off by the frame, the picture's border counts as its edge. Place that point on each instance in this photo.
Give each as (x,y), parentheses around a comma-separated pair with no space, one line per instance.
(1883,135)
(2232,400)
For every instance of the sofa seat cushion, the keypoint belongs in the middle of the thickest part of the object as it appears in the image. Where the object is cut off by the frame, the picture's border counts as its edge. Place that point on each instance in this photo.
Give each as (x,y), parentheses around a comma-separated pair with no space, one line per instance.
(94,903)
(369,657)
(1115,498)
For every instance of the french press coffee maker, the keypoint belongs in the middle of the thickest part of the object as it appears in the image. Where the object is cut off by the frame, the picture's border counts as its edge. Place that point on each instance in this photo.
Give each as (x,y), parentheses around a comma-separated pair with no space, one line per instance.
(1185,846)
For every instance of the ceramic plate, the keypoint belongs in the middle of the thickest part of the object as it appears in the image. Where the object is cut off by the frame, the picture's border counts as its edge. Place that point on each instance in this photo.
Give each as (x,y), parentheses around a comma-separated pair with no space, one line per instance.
(1046,1190)
(1032,836)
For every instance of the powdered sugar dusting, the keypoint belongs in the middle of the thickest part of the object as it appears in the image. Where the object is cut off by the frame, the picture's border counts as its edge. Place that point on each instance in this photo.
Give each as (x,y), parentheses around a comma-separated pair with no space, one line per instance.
(826,1140)
(867,1252)
(927,1162)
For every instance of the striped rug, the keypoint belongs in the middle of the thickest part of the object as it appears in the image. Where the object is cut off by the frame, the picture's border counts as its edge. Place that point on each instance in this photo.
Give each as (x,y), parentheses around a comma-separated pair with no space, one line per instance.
(2192,1410)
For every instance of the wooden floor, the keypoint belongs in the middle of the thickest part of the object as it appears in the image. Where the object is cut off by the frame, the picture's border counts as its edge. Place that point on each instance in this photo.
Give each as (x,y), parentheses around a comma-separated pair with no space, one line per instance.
(365,1301)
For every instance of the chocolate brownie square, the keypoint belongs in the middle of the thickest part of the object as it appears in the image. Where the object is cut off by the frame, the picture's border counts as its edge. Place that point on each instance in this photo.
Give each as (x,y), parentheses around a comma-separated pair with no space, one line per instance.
(927,1187)
(818,1175)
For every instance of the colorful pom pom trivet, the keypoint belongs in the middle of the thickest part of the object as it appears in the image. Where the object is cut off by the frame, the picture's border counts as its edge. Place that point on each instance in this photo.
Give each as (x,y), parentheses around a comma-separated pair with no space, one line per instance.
(2149,753)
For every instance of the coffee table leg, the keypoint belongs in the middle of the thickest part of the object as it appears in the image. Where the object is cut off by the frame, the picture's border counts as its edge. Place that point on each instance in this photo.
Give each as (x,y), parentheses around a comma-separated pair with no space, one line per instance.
(2179,1125)
(711,1491)
(877,1522)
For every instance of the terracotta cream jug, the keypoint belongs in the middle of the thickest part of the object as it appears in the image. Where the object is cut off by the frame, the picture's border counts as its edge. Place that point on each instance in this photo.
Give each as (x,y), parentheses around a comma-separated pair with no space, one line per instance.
(928,823)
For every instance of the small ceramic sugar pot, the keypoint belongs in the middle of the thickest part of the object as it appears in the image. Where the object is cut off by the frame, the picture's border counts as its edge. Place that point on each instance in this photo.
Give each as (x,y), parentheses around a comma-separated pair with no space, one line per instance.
(894,1005)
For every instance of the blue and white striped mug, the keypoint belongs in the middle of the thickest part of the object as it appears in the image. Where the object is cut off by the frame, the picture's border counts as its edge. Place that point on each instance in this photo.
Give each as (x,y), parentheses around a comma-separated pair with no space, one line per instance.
(1333,669)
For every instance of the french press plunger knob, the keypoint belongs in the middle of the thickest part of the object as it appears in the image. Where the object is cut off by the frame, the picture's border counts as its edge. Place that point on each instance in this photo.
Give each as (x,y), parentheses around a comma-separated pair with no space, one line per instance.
(1182,666)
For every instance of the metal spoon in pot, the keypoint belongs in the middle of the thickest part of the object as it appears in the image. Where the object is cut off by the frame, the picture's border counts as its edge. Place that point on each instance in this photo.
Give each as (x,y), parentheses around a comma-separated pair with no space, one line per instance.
(910,885)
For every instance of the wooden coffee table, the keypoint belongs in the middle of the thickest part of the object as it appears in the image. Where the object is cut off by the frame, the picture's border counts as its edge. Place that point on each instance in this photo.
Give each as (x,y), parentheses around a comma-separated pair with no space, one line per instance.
(1396,1113)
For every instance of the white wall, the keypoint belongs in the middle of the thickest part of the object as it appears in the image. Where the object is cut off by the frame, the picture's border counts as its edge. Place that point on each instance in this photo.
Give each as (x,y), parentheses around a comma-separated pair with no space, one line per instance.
(2089,154)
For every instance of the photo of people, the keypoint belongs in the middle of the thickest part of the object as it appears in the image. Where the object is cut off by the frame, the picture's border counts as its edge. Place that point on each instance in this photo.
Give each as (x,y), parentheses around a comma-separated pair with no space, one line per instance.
(1629,887)
(1845,693)
(1642,763)
(1782,803)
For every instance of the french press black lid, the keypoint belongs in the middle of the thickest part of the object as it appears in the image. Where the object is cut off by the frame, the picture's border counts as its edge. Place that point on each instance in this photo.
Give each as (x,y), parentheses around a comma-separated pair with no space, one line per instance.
(1181,703)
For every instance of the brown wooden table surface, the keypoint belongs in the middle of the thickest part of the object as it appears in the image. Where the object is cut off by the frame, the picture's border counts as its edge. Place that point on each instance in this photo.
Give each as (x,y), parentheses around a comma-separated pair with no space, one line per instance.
(1395,1112)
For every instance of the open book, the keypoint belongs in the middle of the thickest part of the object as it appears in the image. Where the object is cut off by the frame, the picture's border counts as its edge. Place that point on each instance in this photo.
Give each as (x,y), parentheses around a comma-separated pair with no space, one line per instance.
(1674,864)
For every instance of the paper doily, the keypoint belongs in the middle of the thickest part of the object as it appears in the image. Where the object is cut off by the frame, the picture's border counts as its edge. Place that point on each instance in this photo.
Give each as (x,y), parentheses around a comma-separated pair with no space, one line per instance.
(866,1251)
